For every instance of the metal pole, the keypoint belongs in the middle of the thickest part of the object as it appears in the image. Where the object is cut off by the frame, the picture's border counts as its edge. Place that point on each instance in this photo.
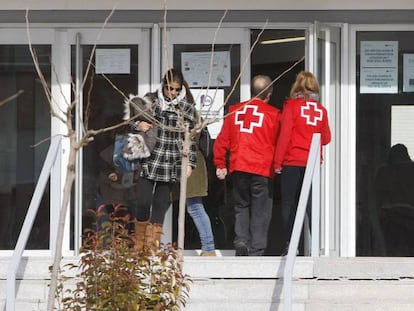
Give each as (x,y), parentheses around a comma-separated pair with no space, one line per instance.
(298,224)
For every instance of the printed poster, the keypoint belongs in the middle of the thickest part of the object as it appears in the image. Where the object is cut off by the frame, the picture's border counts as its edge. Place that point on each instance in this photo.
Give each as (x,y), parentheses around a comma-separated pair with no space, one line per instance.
(206,69)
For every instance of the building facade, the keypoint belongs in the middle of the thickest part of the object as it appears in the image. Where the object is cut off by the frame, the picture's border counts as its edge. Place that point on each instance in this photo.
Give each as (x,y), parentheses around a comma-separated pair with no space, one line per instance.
(362,54)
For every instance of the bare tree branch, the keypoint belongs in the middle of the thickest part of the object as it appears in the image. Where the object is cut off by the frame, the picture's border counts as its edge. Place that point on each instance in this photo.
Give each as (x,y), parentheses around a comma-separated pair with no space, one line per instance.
(209,121)
(213,44)
(10,98)
(244,64)
(88,67)
(59,84)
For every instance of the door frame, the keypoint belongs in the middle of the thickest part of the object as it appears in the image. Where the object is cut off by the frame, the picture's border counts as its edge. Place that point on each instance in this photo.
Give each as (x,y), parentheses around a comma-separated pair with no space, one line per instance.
(332,198)
(328,70)
(89,36)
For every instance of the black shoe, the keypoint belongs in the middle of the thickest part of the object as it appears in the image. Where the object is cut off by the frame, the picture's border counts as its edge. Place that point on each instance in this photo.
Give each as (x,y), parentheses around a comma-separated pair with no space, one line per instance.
(241,249)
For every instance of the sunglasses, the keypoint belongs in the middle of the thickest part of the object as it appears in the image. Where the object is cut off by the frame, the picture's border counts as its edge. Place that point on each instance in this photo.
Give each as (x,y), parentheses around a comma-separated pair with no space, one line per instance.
(170,88)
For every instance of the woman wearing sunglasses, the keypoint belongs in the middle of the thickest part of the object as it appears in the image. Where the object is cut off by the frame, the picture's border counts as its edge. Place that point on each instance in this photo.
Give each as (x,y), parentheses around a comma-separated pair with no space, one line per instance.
(163,167)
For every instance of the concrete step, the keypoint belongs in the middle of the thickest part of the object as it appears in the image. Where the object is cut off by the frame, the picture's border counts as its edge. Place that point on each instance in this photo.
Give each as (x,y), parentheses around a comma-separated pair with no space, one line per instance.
(314,295)
(242,306)
(256,283)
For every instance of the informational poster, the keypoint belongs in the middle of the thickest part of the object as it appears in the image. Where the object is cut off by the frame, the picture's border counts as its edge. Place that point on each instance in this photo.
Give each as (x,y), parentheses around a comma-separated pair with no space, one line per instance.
(408,73)
(379,67)
(209,102)
(113,61)
(206,69)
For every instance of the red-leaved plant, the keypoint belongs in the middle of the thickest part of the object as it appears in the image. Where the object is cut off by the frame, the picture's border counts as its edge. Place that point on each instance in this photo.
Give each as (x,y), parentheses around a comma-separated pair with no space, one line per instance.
(112,275)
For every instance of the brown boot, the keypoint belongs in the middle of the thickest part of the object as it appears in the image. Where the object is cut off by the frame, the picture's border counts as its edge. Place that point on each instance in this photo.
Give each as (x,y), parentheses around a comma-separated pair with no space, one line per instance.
(153,234)
(140,230)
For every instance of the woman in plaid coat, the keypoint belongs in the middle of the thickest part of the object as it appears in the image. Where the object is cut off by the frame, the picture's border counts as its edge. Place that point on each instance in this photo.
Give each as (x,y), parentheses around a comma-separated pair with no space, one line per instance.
(163,167)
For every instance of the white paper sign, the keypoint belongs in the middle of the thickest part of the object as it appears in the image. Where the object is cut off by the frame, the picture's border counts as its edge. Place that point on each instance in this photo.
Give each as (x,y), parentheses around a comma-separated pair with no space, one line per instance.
(379,67)
(379,80)
(113,61)
(198,68)
(210,105)
(408,73)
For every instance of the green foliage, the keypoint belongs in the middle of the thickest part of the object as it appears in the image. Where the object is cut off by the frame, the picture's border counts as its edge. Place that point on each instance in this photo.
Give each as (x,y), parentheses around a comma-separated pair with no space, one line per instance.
(114,276)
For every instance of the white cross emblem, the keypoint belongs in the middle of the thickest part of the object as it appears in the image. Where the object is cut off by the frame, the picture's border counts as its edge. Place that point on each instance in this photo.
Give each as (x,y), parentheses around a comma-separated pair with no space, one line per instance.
(247,121)
(311,113)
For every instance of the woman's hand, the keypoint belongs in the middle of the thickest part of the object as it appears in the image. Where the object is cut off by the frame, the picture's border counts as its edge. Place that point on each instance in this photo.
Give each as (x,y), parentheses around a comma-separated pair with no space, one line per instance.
(143,126)
(189,171)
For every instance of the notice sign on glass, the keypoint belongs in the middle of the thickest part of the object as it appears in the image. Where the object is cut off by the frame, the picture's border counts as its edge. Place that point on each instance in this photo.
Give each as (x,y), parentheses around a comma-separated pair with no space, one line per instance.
(113,61)
(379,67)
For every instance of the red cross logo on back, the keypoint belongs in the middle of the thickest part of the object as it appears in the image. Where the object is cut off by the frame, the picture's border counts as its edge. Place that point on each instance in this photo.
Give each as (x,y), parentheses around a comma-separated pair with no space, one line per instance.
(311,113)
(248,118)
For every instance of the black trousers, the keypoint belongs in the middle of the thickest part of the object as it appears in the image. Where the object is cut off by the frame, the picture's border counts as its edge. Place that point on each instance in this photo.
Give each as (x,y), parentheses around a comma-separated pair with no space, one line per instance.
(291,181)
(253,201)
(153,200)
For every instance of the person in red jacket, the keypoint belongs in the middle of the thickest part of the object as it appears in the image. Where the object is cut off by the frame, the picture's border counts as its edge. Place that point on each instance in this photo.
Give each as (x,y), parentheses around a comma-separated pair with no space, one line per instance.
(249,134)
(302,116)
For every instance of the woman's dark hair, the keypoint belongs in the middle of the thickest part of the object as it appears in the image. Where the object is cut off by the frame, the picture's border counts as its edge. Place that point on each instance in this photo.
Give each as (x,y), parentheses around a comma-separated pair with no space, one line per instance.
(189,96)
(173,75)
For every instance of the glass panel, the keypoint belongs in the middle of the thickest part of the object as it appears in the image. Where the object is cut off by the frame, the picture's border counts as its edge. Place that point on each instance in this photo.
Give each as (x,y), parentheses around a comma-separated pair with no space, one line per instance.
(24,122)
(103,104)
(274,54)
(216,202)
(384,189)
(272,59)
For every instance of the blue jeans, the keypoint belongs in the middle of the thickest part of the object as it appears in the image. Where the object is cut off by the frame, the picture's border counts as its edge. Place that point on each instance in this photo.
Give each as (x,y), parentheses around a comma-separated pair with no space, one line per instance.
(195,209)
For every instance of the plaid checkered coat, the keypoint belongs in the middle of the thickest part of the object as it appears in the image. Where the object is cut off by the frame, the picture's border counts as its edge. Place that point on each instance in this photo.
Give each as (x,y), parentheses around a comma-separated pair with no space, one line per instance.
(164,163)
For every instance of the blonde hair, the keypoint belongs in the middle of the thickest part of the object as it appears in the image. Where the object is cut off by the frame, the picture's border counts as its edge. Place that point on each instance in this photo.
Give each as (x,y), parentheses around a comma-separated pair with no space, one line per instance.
(305,84)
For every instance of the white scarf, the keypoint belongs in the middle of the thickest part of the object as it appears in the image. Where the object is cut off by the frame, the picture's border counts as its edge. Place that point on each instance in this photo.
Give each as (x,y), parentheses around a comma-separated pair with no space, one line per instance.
(164,103)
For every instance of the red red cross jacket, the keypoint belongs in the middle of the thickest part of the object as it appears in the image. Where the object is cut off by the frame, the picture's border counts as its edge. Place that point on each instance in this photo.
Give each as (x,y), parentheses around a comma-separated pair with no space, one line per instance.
(249,132)
(300,120)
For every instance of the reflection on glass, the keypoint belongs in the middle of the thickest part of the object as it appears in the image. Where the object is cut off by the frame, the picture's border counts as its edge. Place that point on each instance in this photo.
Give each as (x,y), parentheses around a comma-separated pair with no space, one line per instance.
(383,229)
(24,122)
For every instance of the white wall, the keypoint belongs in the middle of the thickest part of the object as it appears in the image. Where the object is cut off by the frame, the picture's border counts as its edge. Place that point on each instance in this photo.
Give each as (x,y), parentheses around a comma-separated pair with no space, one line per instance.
(210,5)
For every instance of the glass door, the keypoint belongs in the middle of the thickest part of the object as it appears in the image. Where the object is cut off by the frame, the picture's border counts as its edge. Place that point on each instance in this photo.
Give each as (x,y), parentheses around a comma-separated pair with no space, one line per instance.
(384,141)
(24,123)
(327,59)
(105,73)
(216,65)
